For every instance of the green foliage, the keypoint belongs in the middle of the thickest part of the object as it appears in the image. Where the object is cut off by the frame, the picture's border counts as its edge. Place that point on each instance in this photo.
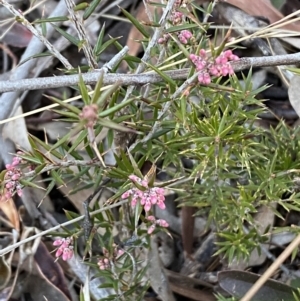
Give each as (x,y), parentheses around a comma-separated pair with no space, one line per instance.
(237,165)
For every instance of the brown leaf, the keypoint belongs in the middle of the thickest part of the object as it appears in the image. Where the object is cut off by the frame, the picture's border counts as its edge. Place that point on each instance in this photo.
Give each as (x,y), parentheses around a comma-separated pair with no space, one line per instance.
(51,270)
(184,286)
(265,9)
(5,272)
(9,209)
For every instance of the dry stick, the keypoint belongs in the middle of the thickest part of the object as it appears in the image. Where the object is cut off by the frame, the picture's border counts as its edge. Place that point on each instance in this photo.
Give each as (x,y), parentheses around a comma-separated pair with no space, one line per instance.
(8,100)
(270,271)
(77,219)
(137,79)
(62,164)
(88,78)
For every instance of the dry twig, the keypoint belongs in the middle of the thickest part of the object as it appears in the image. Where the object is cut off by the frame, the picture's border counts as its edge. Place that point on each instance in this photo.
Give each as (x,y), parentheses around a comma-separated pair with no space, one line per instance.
(137,79)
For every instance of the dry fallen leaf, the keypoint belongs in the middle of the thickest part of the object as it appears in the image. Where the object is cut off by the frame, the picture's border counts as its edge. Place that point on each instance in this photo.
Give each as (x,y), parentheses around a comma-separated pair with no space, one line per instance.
(264,8)
(51,271)
(9,209)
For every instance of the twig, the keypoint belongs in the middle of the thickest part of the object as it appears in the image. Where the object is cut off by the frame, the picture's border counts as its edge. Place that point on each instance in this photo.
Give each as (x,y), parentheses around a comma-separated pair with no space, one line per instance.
(207,15)
(266,61)
(63,164)
(138,79)
(36,33)
(270,271)
(88,78)
(153,42)
(83,37)
(157,34)
(87,221)
(148,11)
(7,51)
(115,60)
(75,220)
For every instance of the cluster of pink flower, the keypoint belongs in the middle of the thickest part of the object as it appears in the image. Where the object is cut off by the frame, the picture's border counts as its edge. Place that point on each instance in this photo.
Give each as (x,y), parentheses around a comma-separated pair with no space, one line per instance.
(184,36)
(89,114)
(177,18)
(164,39)
(12,177)
(104,263)
(155,222)
(220,66)
(65,250)
(147,197)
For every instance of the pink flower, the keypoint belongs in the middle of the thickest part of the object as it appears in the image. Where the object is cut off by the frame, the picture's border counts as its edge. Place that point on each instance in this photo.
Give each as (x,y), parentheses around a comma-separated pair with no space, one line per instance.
(155,222)
(202,53)
(105,262)
(12,176)
(176,17)
(15,177)
(65,250)
(151,229)
(164,39)
(148,197)
(184,36)
(126,194)
(67,253)
(219,66)
(225,70)
(134,178)
(193,57)
(161,41)
(151,218)
(162,223)
(89,114)
(204,78)
(58,242)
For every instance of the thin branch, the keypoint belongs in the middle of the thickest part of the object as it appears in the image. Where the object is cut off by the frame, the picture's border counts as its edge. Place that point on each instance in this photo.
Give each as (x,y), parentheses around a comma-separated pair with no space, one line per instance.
(63,164)
(152,43)
(266,61)
(55,228)
(138,79)
(89,78)
(83,37)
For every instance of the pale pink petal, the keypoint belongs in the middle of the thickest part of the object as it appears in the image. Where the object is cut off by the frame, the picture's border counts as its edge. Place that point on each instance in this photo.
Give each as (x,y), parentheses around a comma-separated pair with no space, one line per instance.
(151,229)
